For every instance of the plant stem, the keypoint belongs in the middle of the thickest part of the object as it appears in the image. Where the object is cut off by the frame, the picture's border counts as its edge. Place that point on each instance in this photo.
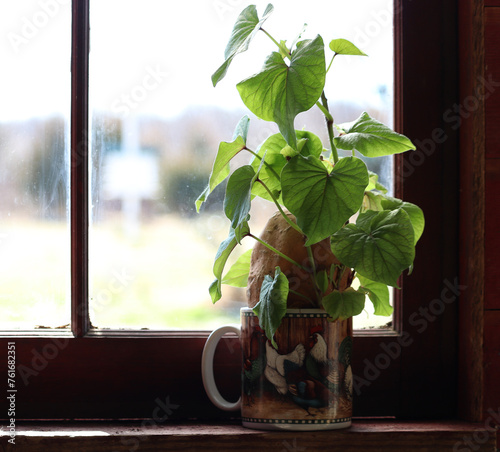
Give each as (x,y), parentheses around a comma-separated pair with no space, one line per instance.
(285,216)
(279,253)
(327,114)
(270,37)
(282,47)
(329,126)
(311,259)
(330,65)
(313,276)
(342,270)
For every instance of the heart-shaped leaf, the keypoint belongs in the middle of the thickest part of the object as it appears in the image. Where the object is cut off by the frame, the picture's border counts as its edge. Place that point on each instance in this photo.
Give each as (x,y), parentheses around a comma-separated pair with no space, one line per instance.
(237,276)
(223,253)
(345,47)
(371,138)
(246,26)
(280,92)
(275,160)
(322,202)
(220,168)
(378,293)
(345,304)
(379,246)
(414,212)
(271,307)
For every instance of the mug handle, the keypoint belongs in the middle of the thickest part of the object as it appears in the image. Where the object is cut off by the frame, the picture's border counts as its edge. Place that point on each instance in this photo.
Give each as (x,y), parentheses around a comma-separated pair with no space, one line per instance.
(207,368)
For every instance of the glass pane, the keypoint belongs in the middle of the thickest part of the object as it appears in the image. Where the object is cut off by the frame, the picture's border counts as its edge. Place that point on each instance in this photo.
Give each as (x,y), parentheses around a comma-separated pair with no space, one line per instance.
(156,125)
(34,164)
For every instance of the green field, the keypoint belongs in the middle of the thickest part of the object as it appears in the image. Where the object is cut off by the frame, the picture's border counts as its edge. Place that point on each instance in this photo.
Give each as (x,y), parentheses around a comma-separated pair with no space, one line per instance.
(157,278)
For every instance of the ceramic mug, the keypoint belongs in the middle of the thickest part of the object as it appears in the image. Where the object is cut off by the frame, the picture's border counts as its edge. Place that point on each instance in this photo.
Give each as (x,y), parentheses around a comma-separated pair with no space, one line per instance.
(304,384)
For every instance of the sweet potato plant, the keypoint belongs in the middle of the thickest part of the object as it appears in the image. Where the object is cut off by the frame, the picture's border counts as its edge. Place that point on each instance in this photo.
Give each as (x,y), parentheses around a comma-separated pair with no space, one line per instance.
(312,249)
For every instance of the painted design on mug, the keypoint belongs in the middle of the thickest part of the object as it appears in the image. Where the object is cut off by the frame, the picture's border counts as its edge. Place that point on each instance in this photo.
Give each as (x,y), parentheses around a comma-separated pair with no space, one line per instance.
(254,364)
(309,377)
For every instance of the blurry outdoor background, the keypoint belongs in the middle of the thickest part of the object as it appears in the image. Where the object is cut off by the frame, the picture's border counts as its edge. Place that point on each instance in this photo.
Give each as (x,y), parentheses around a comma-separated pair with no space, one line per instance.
(156,123)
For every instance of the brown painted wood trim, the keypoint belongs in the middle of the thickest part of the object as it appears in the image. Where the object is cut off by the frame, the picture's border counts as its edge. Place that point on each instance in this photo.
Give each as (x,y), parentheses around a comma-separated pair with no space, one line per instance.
(492,75)
(397,315)
(429,81)
(472,208)
(80,321)
(492,363)
(160,436)
(123,377)
(491,236)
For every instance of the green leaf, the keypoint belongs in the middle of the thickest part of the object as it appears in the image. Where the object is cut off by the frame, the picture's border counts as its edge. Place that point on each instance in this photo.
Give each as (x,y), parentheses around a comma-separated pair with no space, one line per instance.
(322,280)
(371,138)
(215,290)
(284,50)
(345,47)
(237,202)
(345,304)
(220,168)
(289,152)
(275,162)
(237,276)
(246,26)
(271,307)
(241,129)
(280,92)
(374,184)
(225,249)
(322,202)
(372,201)
(378,293)
(242,230)
(299,35)
(272,148)
(379,246)
(414,212)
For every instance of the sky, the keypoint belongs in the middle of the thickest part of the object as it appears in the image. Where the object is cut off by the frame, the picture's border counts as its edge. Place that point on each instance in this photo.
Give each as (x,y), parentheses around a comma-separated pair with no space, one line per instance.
(157,56)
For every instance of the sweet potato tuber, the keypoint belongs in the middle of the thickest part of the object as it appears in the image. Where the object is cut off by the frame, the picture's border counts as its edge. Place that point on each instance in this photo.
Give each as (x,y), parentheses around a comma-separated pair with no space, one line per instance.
(290,242)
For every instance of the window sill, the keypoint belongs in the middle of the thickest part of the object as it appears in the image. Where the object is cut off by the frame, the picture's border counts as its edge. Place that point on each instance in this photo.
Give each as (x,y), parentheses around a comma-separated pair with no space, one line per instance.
(373,435)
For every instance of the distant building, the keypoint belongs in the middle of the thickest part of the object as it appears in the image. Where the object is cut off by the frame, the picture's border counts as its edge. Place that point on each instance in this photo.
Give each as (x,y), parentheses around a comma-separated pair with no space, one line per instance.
(130,176)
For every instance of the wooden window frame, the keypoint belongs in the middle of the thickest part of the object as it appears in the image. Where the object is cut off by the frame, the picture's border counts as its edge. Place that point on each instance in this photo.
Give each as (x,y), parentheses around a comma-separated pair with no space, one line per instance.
(94,374)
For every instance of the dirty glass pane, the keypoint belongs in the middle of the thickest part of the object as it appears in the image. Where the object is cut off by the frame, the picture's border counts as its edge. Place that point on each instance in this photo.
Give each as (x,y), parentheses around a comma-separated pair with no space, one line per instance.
(156,125)
(34,164)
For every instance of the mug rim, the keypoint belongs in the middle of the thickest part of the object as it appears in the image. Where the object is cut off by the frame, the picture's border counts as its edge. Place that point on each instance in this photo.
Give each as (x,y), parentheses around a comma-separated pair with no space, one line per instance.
(293,310)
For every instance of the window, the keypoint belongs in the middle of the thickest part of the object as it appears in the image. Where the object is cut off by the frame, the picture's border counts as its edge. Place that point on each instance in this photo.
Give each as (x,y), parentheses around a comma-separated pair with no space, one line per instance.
(34,133)
(88,373)
(156,122)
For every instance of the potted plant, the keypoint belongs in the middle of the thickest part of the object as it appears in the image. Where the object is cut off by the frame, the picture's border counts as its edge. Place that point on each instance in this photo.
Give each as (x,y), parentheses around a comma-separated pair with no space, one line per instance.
(334,222)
